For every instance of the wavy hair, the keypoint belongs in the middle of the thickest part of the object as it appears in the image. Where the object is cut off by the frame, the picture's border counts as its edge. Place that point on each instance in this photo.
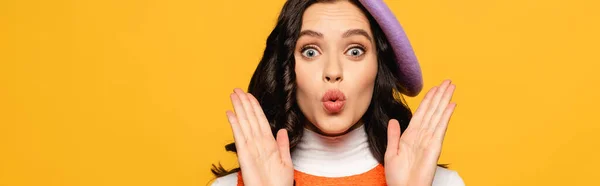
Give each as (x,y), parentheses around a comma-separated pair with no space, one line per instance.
(274,84)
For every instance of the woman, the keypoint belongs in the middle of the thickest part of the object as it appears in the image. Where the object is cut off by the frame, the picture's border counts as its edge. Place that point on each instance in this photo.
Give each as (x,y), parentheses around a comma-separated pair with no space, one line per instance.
(329,88)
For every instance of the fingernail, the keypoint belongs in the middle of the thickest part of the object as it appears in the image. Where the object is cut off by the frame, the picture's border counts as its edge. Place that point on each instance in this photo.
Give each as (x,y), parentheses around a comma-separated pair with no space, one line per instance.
(227,114)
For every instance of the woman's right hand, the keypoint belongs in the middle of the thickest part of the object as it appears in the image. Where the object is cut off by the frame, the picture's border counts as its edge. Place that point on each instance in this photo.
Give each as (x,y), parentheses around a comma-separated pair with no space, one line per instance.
(263,160)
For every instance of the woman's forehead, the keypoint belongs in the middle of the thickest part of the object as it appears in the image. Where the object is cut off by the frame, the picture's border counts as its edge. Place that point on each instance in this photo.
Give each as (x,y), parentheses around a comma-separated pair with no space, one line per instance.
(334,18)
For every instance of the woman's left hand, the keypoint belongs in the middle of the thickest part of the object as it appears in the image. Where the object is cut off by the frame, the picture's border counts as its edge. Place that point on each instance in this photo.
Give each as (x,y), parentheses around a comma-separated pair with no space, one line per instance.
(411,159)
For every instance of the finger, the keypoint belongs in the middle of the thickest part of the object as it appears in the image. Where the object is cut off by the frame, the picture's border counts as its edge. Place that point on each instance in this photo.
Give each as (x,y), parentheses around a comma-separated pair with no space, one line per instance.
(440,131)
(249,111)
(238,135)
(417,118)
(393,135)
(435,120)
(263,123)
(283,145)
(241,116)
(433,105)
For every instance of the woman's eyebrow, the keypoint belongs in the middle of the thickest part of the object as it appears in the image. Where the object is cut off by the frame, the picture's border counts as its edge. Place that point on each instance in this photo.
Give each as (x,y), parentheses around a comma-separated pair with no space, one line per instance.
(346,34)
(359,31)
(310,33)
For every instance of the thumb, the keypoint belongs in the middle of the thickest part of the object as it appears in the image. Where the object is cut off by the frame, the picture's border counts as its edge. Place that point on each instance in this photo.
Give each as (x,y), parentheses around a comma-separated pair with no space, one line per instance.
(393,136)
(283,143)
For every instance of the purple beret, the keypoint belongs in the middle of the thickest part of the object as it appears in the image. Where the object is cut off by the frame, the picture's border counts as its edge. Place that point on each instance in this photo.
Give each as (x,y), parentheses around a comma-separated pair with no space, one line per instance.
(409,70)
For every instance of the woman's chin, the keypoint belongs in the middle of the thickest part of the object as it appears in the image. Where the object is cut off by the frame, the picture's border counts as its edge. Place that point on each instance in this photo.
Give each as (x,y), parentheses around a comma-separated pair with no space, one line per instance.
(334,127)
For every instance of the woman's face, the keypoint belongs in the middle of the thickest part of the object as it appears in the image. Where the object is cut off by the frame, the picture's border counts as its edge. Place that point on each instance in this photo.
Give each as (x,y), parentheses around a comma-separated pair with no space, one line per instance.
(336,66)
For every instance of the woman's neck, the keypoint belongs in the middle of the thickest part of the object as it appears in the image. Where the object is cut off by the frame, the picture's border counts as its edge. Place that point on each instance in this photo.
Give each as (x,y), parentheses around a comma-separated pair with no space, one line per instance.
(341,155)
(313,128)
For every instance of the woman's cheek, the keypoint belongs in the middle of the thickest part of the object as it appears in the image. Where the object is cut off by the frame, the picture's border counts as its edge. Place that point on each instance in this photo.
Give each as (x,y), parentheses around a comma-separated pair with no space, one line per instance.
(303,76)
(365,76)
(305,85)
(365,82)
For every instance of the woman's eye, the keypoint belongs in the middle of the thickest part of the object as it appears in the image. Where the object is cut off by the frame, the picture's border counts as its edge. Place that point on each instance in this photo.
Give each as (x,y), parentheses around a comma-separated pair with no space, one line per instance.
(310,53)
(355,52)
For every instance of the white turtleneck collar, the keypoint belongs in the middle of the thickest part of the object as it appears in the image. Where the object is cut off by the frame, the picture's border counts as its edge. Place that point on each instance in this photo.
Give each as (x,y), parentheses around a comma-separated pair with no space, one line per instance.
(338,156)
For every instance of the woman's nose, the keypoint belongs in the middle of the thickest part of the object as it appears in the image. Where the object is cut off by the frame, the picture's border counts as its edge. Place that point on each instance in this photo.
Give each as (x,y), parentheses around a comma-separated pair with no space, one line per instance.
(333,70)
(333,78)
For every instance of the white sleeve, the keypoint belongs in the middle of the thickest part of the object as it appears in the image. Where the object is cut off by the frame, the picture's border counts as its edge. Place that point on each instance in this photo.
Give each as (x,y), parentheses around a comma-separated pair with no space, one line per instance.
(455,180)
(445,177)
(228,180)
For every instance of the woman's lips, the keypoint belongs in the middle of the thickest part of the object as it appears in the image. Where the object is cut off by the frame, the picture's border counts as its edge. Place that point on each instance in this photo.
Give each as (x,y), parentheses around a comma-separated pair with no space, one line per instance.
(333,101)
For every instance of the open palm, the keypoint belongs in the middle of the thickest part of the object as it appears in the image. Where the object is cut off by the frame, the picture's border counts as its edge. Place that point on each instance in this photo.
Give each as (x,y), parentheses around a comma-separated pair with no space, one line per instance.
(411,159)
(263,159)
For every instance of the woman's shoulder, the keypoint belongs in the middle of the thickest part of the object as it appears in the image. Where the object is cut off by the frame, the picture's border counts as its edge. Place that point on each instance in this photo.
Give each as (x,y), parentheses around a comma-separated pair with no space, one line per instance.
(227,180)
(446,177)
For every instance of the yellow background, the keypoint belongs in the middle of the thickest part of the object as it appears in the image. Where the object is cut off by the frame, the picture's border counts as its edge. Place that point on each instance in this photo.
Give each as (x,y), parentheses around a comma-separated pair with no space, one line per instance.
(112,92)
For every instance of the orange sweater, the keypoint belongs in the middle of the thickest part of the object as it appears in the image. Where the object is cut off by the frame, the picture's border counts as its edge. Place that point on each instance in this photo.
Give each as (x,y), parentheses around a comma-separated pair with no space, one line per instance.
(373,177)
